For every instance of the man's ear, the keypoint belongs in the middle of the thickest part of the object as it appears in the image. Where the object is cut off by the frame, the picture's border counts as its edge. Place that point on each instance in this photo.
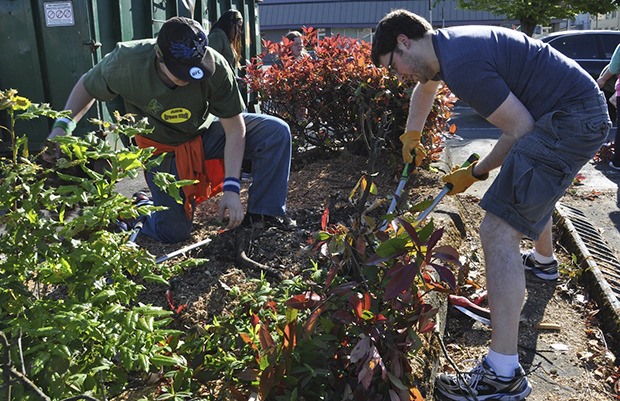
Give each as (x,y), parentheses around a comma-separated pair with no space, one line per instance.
(159,54)
(403,39)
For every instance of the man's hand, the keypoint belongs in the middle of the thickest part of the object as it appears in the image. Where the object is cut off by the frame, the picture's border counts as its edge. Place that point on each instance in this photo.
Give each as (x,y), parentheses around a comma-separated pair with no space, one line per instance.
(51,153)
(461,178)
(412,149)
(232,202)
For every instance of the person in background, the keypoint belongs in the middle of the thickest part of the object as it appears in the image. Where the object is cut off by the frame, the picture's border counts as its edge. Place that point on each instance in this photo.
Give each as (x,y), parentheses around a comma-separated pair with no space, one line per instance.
(189,95)
(296,48)
(545,141)
(609,72)
(225,37)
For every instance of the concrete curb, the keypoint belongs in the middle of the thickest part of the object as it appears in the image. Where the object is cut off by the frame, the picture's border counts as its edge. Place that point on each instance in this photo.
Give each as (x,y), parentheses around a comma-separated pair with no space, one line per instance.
(593,278)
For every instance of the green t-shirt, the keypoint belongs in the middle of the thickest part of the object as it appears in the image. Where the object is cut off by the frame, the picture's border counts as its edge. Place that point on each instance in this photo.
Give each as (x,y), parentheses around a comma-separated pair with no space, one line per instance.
(219,41)
(176,114)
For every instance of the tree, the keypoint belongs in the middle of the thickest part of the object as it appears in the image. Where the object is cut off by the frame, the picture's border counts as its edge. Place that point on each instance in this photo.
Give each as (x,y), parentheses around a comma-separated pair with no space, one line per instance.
(531,13)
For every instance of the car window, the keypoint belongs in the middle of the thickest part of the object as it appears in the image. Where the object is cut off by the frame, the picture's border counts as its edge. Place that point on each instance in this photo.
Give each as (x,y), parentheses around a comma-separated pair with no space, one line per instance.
(610,42)
(577,46)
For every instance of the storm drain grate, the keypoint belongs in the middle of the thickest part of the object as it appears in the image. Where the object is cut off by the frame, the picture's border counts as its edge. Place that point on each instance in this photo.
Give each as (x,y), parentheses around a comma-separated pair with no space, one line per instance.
(597,246)
(602,266)
(602,254)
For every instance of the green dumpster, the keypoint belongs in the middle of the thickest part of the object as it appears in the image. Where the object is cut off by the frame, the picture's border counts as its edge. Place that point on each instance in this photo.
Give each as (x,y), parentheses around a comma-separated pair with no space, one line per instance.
(48,44)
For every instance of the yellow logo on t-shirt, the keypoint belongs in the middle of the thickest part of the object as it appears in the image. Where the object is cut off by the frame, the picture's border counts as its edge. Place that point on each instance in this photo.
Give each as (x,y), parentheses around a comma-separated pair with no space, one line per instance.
(176,116)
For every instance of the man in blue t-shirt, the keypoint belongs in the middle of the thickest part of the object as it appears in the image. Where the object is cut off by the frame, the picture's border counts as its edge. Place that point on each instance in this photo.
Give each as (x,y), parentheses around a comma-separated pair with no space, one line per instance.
(553,119)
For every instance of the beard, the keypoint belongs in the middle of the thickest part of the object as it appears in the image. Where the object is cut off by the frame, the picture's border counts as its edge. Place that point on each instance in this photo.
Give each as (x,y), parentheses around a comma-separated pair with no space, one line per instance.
(419,70)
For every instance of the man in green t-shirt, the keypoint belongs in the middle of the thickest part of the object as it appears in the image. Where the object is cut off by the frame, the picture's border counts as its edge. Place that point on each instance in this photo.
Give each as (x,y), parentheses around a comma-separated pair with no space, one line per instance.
(189,95)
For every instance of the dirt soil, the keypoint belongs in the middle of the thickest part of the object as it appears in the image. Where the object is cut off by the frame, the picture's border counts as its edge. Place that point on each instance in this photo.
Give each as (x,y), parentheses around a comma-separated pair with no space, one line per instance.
(572,361)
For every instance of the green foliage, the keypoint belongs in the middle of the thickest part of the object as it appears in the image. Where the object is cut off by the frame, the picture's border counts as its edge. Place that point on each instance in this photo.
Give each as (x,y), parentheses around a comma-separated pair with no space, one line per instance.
(68,284)
(352,329)
(351,332)
(339,98)
(532,13)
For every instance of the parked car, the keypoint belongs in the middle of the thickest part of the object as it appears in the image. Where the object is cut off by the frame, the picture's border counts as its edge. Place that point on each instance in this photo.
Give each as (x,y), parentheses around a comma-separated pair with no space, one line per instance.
(592,49)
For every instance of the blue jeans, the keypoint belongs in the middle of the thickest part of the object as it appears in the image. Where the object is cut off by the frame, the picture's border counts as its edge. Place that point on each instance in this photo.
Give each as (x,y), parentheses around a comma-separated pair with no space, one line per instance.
(542,164)
(268,145)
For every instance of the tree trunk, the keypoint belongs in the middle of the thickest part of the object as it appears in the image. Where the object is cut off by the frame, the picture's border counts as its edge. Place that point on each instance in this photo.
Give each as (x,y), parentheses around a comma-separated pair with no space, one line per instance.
(528,26)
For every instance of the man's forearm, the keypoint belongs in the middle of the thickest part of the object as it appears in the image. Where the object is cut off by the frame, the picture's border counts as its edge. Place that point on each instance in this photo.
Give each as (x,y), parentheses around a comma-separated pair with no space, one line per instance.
(515,121)
(79,102)
(496,156)
(233,155)
(234,149)
(420,105)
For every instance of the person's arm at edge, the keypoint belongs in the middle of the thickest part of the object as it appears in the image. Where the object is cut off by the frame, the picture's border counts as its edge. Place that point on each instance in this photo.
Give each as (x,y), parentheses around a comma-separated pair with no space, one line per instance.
(614,63)
(610,69)
(606,74)
(234,149)
(79,102)
(420,104)
(514,120)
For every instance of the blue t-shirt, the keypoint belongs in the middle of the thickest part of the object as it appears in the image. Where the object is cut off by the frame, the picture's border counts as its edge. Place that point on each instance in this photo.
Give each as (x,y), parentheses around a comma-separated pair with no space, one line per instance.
(481,65)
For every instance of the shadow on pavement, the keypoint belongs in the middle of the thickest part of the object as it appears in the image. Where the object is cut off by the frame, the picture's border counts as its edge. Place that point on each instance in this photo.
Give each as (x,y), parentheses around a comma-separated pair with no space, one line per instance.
(539,293)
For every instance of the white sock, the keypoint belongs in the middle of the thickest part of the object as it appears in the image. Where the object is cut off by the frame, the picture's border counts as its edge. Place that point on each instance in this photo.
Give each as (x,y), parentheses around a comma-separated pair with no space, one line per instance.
(503,365)
(543,259)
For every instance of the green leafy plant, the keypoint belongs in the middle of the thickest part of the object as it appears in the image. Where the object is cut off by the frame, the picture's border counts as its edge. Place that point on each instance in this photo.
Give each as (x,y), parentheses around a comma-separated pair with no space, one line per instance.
(541,12)
(350,328)
(353,333)
(69,284)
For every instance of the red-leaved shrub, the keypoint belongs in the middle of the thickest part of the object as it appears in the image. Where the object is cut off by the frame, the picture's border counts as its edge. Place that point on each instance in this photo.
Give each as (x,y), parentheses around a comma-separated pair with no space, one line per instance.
(335,97)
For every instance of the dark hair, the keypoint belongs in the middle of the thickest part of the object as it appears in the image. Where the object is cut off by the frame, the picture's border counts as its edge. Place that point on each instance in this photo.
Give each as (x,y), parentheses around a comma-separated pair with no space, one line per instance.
(228,23)
(393,24)
(291,35)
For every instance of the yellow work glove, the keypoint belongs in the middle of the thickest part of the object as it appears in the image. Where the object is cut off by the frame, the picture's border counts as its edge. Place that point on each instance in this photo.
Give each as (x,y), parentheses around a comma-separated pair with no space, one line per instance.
(461,178)
(411,144)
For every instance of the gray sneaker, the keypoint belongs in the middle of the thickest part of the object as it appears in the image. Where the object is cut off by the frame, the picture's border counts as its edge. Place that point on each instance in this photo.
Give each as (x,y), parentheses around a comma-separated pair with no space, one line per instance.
(545,271)
(482,383)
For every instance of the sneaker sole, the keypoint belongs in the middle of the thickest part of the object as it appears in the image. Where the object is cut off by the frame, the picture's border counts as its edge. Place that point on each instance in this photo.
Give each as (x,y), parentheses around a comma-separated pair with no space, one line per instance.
(541,274)
(493,397)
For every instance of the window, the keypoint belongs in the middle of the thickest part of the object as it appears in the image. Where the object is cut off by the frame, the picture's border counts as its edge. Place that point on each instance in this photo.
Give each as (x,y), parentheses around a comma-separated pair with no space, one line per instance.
(610,42)
(577,46)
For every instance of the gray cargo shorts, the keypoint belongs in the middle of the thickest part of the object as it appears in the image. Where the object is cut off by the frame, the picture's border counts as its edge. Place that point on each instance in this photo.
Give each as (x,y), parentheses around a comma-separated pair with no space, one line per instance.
(542,164)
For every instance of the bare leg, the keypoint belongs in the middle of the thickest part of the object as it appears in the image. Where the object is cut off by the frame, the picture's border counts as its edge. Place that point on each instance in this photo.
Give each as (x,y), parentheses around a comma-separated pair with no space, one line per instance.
(499,375)
(505,281)
(544,245)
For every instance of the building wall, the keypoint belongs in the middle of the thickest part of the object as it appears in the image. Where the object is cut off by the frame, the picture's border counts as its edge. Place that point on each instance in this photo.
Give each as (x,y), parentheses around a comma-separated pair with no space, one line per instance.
(606,21)
(358,18)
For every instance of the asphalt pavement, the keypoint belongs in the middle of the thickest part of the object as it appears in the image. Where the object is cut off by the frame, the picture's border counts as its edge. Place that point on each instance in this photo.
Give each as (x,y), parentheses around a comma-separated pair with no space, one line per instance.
(475,135)
(591,216)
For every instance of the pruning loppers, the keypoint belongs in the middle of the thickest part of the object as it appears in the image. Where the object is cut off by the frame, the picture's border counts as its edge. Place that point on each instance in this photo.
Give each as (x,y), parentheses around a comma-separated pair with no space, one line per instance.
(446,188)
